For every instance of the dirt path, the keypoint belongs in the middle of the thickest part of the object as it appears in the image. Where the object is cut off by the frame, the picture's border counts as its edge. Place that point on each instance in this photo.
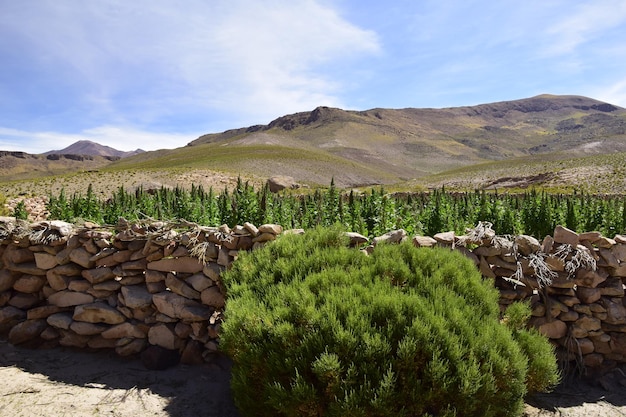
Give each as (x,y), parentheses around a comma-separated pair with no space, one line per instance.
(64,382)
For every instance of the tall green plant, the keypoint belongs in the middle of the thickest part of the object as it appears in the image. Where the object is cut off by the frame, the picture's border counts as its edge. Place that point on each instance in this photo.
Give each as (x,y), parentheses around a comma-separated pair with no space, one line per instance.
(317,329)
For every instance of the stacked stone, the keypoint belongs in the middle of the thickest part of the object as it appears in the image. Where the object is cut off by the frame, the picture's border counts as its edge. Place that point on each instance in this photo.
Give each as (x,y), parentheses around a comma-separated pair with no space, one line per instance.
(574,282)
(128,289)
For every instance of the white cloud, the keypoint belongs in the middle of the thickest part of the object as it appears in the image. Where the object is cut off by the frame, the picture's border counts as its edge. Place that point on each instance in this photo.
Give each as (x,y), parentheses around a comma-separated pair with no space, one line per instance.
(123,139)
(262,59)
(614,93)
(583,24)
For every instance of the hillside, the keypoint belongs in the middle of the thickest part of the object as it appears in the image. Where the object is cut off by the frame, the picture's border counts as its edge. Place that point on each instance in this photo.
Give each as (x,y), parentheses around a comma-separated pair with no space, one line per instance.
(562,142)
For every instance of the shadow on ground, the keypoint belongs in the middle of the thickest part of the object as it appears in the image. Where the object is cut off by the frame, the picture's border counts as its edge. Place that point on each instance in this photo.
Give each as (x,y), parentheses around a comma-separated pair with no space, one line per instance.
(585,395)
(184,390)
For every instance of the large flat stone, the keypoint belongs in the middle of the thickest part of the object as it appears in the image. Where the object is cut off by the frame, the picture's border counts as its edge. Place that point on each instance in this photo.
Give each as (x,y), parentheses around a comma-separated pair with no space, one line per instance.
(176,306)
(98,313)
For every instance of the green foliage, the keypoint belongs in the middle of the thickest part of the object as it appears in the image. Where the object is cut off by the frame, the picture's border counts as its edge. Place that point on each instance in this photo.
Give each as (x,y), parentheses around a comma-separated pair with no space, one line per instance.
(20,212)
(317,329)
(543,372)
(4,210)
(372,213)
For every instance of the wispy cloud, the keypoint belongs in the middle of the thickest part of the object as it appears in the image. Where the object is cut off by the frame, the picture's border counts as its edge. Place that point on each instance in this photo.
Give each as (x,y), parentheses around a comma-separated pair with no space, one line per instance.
(585,22)
(260,58)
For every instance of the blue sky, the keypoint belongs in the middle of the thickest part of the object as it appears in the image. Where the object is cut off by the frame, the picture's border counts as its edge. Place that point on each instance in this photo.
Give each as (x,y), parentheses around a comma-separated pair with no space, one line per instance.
(155,74)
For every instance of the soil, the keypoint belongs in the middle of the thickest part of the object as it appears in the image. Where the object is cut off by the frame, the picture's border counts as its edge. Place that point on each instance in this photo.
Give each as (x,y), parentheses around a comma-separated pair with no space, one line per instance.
(66,382)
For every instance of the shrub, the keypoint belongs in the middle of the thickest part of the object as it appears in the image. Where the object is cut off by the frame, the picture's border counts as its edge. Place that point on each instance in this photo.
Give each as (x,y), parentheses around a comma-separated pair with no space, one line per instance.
(317,329)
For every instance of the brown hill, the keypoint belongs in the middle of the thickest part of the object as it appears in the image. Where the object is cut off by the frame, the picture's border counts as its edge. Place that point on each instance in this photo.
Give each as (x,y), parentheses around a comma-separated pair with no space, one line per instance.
(87,147)
(413,142)
(556,141)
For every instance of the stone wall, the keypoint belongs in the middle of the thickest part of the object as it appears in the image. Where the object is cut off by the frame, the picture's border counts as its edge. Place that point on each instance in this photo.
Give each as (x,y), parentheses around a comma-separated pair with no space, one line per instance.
(573,282)
(136,286)
(127,289)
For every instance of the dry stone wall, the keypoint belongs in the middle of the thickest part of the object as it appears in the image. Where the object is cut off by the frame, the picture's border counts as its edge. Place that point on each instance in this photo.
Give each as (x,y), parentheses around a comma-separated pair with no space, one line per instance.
(126,289)
(136,286)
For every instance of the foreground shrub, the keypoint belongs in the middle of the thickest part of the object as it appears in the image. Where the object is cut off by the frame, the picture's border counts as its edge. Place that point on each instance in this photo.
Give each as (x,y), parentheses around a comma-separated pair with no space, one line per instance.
(317,329)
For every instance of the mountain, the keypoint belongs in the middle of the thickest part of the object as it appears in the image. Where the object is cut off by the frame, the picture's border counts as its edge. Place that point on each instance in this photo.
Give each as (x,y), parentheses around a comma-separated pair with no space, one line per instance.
(414,142)
(555,141)
(87,147)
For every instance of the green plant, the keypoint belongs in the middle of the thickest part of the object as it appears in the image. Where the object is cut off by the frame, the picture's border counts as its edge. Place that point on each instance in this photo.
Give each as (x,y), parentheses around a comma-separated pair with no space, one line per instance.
(317,329)
(20,212)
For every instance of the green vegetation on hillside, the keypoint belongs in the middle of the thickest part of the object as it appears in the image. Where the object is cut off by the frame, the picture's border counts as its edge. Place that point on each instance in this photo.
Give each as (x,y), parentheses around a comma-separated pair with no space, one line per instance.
(371,213)
(317,329)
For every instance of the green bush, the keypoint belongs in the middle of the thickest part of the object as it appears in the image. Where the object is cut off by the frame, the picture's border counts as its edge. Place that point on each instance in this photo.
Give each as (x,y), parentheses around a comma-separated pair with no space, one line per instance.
(317,329)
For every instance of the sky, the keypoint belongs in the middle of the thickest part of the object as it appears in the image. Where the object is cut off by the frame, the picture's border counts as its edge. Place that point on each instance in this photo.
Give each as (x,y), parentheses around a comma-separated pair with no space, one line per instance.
(156,74)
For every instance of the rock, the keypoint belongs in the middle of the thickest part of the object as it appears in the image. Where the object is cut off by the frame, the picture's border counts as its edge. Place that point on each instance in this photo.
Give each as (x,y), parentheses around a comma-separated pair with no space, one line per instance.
(252,229)
(98,313)
(616,312)
(192,354)
(589,323)
(445,238)
(565,235)
(179,287)
(356,239)
(79,285)
(181,265)
(136,296)
(133,347)
(26,331)
(175,306)
(593,360)
(199,282)
(555,329)
(81,257)
(590,279)
(163,335)
(395,236)
(280,182)
(7,279)
(157,358)
(126,330)
(69,299)
(527,244)
(24,301)
(424,241)
(29,283)
(45,260)
(87,329)
(14,255)
(70,339)
(98,275)
(60,320)
(588,295)
(10,315)
(58,277)
(213,271)
(213,297)
(263,237)
(274,229)
(42,312)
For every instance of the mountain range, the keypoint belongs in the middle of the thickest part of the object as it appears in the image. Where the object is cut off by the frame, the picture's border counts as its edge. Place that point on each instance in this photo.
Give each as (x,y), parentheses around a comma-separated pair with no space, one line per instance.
(87,147)
(391,146)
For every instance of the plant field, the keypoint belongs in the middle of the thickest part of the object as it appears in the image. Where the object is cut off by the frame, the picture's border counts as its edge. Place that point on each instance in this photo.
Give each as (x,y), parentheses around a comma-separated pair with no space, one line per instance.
(370,213)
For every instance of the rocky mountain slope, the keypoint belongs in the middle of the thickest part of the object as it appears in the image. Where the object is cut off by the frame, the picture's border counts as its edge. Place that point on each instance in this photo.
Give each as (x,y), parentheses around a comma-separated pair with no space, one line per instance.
(411,142)
(391,146)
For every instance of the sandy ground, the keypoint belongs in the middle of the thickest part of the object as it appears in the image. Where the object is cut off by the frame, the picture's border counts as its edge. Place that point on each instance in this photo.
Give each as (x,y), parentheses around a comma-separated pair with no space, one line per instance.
(64,382)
